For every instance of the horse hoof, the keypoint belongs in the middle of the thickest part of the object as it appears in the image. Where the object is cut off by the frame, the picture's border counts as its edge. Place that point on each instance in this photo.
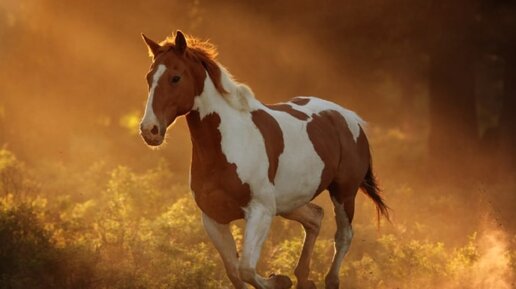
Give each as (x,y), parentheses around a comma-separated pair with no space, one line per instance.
(280,281)
(308,284)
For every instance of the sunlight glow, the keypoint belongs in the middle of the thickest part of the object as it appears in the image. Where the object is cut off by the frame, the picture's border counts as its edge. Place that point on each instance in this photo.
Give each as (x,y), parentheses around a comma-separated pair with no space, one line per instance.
(131,121)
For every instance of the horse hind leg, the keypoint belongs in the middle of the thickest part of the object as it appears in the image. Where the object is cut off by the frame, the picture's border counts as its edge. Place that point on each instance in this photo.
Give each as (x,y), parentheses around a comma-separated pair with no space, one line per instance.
(344,206)
(310,217)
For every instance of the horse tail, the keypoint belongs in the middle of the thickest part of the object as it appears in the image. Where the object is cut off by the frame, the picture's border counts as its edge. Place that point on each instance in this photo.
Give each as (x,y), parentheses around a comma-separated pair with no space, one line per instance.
(370,187)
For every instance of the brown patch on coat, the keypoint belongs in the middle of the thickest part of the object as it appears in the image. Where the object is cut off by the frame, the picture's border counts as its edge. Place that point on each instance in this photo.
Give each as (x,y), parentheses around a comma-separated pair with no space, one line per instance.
(284,107)
(345,161)
(272,137)
(300,100)
(218,190)
(324,136)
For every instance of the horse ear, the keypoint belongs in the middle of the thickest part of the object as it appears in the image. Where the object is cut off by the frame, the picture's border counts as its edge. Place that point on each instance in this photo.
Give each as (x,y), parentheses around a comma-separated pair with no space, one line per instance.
(153,46)
(180,42)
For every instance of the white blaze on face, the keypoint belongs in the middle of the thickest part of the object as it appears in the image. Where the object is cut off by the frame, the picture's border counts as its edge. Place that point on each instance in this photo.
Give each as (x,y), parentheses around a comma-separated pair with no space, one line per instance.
(149,118)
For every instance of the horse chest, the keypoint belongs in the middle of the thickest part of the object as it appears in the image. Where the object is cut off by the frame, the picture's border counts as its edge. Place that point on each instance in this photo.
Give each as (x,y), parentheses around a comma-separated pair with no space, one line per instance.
(220,194)
(225,167)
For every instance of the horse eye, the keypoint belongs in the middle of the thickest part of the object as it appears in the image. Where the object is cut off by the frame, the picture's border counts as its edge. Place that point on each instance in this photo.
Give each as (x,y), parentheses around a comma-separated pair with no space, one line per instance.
(176,79)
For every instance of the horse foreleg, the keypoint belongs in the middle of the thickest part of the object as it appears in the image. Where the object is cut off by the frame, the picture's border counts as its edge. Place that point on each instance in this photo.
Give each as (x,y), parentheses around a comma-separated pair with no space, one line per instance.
(310,216)
(343,238)
(258,222)
(223,241)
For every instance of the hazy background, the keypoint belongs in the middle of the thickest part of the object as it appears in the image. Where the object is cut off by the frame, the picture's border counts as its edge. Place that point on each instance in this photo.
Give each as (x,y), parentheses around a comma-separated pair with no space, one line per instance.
(435,81)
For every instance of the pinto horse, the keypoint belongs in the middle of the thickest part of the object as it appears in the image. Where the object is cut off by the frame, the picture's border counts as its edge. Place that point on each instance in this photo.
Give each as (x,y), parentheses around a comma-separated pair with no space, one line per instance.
(256,161)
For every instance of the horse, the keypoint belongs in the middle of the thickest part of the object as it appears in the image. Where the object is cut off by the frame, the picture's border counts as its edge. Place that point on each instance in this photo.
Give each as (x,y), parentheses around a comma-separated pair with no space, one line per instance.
(255,161)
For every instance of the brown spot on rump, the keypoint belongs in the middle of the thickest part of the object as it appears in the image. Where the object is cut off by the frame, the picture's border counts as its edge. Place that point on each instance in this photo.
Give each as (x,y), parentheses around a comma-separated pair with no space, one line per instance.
(345,162)
(272,137)
(288,109)
(324,136)
(218,190)
(300,100)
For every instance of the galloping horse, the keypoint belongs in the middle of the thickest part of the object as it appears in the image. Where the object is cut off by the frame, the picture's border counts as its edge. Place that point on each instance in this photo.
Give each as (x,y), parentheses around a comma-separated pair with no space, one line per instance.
(256,161)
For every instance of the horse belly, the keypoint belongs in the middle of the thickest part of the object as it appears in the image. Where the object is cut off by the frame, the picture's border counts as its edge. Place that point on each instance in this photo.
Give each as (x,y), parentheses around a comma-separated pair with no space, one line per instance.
(299,171)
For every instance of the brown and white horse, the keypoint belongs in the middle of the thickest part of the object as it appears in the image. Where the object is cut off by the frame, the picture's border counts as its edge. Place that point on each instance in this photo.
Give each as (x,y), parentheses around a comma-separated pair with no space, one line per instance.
(256,161)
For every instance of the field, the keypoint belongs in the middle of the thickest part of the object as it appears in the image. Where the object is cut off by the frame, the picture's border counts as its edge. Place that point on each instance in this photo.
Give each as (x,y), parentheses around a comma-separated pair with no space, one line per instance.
(113,226)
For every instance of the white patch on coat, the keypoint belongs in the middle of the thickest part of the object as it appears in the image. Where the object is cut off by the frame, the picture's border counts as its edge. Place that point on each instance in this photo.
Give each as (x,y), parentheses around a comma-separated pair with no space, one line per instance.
(258,219)
(241,141)
(237,97)
(299,168)
(317,105)
(149,118)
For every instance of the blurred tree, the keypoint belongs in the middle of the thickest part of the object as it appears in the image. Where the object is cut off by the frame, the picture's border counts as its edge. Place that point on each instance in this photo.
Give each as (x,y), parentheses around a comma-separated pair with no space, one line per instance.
(499,31)
(453,50)
(507,39)
(508,117)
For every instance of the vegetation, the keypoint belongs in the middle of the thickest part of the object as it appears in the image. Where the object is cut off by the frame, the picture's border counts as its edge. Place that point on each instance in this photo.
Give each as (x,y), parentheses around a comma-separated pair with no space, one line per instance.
(142,230)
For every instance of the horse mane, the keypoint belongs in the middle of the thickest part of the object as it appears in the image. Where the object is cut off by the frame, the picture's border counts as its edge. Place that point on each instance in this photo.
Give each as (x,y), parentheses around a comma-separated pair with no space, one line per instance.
(201,51)
(206,53)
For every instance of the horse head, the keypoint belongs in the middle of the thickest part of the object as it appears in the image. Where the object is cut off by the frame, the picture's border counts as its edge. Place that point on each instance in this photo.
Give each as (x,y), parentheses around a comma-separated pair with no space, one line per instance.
(174,79)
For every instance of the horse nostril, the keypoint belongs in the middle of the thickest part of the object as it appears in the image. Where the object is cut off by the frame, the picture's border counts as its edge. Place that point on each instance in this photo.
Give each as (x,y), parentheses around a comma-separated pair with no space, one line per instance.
(154,130)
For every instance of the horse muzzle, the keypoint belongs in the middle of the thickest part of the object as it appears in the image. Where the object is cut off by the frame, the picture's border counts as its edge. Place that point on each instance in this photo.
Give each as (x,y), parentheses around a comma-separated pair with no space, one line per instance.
(152,135)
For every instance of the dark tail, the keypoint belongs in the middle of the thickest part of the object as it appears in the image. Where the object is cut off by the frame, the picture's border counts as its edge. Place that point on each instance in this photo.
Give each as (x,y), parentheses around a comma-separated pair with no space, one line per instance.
(370,187)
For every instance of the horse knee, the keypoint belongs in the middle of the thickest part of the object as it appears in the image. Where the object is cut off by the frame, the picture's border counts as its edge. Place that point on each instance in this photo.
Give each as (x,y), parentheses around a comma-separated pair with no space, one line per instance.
(314,224)
(318,211)
(247,274)
(312,227)
(233,274)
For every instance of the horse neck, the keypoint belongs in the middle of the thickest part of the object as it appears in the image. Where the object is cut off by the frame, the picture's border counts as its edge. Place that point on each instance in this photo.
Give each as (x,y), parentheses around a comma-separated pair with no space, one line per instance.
(209,108)
(211,100)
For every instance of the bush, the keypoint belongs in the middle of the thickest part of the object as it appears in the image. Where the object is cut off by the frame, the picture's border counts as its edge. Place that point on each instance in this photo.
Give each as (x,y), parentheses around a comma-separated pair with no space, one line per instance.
(30,259)
(138,230)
